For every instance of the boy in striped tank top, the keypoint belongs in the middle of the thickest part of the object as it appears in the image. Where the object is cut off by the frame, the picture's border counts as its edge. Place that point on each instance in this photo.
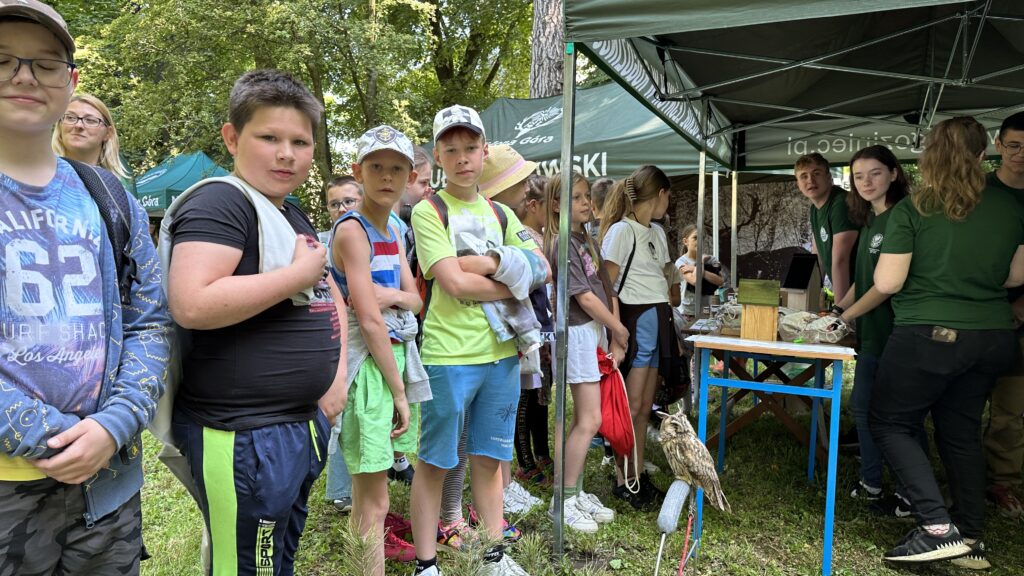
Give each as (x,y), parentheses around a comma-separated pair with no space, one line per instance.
(371,269)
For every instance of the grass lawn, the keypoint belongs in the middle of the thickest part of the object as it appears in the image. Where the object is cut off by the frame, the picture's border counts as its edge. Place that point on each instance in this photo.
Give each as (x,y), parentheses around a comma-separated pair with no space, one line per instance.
(775,527)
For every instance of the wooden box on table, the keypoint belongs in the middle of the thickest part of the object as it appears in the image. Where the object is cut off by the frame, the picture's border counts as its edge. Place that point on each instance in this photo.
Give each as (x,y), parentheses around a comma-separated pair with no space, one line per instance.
(760,301)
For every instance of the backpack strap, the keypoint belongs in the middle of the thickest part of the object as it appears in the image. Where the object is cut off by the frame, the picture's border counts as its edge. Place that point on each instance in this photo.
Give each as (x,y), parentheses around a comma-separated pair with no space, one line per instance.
(629,262)
(112,201)
(501,216)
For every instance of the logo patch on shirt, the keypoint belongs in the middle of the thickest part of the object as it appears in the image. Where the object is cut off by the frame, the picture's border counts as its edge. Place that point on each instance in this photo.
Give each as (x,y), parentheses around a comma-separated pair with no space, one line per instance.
(524,235)
(824,234)
(876,240)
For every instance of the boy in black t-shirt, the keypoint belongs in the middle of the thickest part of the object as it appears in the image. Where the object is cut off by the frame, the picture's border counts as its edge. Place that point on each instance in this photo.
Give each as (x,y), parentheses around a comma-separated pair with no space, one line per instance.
(247,279)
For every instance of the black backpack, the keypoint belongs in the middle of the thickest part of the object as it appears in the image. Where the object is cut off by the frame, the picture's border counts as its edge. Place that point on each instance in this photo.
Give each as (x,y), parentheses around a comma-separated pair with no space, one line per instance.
(112,201)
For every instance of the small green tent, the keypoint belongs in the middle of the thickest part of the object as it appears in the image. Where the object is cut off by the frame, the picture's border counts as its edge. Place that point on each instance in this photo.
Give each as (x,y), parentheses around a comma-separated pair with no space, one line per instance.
(159,187)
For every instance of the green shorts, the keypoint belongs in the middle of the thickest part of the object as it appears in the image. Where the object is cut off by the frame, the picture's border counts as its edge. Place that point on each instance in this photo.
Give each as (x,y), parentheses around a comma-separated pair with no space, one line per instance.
(366,427)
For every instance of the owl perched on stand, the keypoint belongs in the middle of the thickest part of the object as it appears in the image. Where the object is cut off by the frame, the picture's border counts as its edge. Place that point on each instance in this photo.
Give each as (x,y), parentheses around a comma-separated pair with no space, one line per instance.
(689,458)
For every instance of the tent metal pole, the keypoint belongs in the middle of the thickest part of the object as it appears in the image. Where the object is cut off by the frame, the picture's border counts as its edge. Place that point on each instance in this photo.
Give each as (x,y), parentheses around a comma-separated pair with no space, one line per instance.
(977,39)
(714,214)
(719,99)
(562,287)
(734,235)
(701,187)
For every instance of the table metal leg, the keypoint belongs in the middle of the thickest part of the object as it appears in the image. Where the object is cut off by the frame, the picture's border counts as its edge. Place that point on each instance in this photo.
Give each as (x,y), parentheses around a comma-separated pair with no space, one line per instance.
(819,382)
(833,455)
(702,432)
(723,418)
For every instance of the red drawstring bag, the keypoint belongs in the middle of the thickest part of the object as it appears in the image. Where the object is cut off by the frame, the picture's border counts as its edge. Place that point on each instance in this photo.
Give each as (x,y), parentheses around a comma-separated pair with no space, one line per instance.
(616,420)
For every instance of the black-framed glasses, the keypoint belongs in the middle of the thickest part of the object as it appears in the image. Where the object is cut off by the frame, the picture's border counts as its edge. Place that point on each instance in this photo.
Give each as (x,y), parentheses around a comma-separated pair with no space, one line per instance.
(338,204)
(49,73)
(70,119)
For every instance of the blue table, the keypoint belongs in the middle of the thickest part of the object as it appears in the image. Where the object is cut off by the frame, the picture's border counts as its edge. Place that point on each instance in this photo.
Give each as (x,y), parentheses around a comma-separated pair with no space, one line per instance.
(775,355)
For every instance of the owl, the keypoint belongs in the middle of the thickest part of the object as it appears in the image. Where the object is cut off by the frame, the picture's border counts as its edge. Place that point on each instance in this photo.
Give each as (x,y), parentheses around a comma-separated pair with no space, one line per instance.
(689,458)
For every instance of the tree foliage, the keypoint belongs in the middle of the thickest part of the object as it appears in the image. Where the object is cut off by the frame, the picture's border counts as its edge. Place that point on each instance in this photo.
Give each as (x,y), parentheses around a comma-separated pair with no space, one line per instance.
(166,67)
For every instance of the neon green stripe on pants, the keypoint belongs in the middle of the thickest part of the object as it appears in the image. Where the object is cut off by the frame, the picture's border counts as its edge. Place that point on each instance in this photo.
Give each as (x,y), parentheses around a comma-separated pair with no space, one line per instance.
(222,503)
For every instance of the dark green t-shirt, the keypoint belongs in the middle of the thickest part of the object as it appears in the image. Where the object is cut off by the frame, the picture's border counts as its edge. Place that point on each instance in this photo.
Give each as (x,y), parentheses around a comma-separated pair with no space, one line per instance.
(831,219)
(958,268)
(873,328)
(1012,294)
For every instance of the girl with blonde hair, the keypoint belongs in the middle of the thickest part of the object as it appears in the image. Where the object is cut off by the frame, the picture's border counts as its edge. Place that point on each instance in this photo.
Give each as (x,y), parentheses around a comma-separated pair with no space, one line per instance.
(952,336)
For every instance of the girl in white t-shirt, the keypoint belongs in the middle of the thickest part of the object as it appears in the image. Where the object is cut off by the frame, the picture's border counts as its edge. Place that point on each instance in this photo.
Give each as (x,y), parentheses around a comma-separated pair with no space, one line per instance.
(687,264)
(590,312)
(636,257)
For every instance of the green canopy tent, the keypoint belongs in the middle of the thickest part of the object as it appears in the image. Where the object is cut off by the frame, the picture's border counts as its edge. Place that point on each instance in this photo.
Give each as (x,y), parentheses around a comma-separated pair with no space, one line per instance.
(157,188)
(756,84)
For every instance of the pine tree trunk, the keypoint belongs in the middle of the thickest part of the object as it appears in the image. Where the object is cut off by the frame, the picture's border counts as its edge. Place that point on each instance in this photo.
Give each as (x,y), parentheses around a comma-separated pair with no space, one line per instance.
(546,51)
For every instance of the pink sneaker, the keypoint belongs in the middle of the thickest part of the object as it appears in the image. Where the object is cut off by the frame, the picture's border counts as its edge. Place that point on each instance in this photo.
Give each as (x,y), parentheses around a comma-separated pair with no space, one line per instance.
(397,549)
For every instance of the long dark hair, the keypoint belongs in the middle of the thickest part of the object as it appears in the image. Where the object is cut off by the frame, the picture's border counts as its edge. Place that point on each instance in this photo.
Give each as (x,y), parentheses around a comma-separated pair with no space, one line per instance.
(898,188)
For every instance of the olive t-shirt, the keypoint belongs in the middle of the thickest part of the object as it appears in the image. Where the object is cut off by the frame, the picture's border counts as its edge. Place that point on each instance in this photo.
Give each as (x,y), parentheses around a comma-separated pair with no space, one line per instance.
(273,367)
(584,276)
(957,269)
(874,327)
(832,218)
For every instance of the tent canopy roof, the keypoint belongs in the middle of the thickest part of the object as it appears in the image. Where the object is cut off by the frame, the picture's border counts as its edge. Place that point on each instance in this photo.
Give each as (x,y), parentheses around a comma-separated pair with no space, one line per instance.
(750,78)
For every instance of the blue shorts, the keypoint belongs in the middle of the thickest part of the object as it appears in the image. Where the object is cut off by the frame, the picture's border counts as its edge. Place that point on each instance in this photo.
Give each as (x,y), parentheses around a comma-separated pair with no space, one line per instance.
(488,394)
(646,340)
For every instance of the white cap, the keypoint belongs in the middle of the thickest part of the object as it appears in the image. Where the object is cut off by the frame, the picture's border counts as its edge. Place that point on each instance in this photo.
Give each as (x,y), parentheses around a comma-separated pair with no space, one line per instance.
(457,116)
(384,138)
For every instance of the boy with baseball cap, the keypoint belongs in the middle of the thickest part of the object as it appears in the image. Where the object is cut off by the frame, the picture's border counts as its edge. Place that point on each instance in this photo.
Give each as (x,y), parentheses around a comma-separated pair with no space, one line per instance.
(473,377)
(372,272)
(84,355)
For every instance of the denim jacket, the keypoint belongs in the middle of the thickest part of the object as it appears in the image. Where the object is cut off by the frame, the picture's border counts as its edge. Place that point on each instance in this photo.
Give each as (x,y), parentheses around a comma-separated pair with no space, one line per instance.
(137,357)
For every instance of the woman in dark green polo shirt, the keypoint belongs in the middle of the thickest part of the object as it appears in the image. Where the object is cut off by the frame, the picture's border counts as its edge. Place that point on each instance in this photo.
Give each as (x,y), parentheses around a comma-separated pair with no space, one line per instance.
(952,335)
(877,184)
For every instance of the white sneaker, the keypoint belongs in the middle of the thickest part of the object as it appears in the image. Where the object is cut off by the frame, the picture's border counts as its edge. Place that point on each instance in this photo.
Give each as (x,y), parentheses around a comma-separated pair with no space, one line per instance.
(593,506)
(651,467)
(432,571)
(504,567)
(527,497)
(574,517)
(607,461)
(513,501)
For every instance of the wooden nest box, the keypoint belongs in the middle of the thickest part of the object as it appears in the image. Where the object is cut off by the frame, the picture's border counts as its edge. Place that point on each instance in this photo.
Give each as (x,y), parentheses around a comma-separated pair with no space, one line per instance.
(760,301)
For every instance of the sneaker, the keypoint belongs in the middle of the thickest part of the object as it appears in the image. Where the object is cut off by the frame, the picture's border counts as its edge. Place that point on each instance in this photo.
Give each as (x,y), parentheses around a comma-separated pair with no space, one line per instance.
(653,491)
(432,571)
(892,505)
(1006,502)
(504,567)
(397,549)
(651,467)
(405,476)
(920,546)
(639,501)
(976,559)
(592,506)
(607,461)
(454,535)
(532,476)
(509,533)
(397,525)
(862,491)
(342,505)
(574,517)
(517,500)
(849,440)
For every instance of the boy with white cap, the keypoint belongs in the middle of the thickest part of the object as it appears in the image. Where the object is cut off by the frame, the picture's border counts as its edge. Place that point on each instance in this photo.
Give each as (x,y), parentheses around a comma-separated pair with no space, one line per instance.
(472,375)
(371,269)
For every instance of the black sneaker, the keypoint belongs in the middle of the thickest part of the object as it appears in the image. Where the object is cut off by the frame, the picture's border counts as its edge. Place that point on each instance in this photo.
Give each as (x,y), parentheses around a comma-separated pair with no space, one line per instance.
(639,501)
(405,476)
(862,491)
(919,546)
(849,440)
(976,559)
(892,505)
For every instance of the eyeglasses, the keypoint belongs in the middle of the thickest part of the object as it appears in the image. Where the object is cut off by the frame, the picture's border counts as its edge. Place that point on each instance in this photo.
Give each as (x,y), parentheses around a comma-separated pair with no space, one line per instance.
(49,73)
(1013,148)
(347,203)
(70,119)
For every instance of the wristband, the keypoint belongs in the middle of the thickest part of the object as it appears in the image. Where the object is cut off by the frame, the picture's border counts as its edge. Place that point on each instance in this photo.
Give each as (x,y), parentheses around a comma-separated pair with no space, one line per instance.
(836,309)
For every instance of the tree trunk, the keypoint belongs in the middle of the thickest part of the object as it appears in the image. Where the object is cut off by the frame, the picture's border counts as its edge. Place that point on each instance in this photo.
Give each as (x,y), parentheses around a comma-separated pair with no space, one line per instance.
(546,50)
(322,149)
